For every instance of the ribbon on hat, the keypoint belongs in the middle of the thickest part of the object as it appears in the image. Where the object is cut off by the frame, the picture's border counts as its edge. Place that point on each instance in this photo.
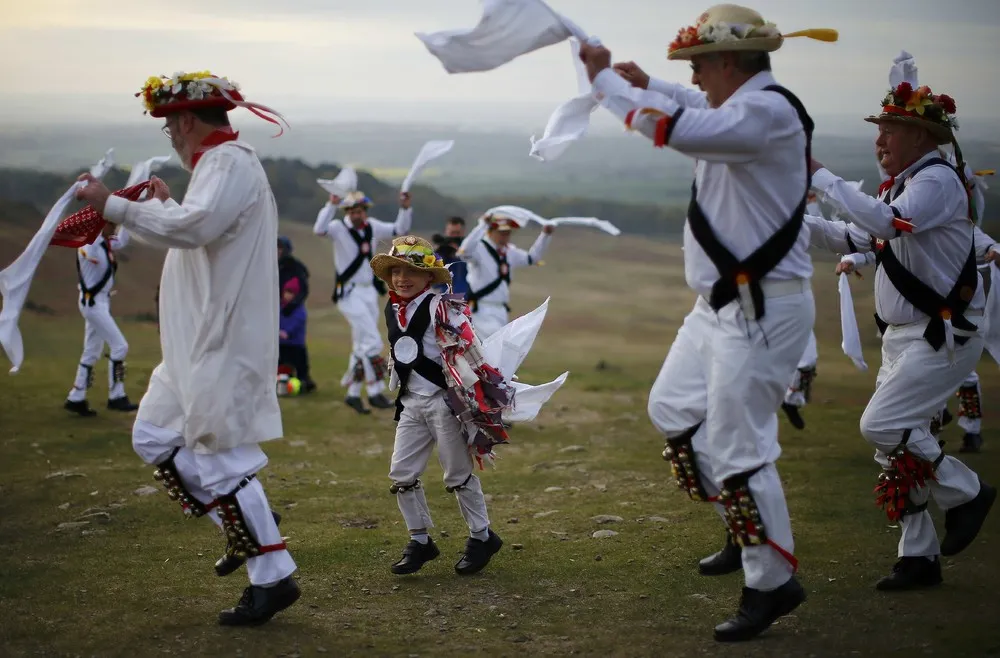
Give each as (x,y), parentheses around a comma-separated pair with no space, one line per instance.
(256,108)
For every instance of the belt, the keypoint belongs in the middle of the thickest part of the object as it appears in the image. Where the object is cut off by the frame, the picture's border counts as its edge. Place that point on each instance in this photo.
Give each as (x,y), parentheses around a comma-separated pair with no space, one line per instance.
(781,288)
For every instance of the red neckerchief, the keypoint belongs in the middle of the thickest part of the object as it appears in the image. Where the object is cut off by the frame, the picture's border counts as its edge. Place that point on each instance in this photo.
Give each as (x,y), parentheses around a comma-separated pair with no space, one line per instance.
(400,304)
(886,185)
(216,137)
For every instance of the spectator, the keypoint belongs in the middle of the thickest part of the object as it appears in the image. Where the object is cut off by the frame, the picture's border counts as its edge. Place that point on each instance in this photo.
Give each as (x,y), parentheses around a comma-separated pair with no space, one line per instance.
(447,246)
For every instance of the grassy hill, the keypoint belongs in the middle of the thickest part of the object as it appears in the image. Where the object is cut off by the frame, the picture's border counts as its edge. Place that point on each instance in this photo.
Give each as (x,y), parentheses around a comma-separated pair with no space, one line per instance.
(91,566)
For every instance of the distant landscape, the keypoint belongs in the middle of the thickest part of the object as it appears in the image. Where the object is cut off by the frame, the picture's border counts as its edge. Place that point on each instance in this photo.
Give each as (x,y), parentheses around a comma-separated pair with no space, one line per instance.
(618,177)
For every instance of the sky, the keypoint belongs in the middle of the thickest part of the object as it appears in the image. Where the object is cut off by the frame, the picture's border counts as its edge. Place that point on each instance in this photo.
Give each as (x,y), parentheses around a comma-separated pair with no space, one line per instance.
(358,60)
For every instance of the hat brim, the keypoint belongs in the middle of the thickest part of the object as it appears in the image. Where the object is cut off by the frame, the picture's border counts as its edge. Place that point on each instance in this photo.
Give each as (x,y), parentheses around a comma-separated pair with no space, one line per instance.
(382,266)
(941,134)
(758,44)
(165,109)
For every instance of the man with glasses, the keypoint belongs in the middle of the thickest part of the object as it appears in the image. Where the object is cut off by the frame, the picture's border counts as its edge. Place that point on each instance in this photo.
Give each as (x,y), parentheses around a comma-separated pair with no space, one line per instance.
(212,399)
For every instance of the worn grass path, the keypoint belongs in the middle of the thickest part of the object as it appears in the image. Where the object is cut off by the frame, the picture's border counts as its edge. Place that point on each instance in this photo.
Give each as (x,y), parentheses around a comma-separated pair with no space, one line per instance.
(137,580)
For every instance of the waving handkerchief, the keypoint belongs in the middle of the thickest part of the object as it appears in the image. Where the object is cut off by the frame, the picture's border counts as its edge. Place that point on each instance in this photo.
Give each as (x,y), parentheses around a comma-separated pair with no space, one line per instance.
(346,181)
(430,151)
(569,121)
(904,69)
(506,30)
(523,216)
(143,170)
(15,280)
(851,343)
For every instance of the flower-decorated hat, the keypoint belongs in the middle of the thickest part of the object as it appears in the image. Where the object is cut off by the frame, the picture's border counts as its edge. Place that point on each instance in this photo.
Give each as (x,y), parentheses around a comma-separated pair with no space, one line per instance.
(410,251)
(355,199)
(498,222)
(730,28)
(921,107)
(189,91)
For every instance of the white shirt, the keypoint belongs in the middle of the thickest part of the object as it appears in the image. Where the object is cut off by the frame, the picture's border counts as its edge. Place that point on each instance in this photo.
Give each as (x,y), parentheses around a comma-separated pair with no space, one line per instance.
(345,249)
(751,165)
(93,260)
(483,270)
(935,201)
(218,302)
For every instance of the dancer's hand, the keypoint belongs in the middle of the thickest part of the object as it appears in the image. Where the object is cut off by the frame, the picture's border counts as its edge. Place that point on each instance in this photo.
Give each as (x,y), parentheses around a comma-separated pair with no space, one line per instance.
(595,58)
(548,229)
(991,255)
(632,74)
(94,193)
(404,200)
(158,189)
(844,267)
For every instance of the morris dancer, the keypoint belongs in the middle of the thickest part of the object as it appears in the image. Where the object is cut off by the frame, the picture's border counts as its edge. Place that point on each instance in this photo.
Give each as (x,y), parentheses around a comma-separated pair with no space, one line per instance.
(212,400)
(96,267)
(449,395)
(929,301)
(354,241)
(746,254)
(492,258)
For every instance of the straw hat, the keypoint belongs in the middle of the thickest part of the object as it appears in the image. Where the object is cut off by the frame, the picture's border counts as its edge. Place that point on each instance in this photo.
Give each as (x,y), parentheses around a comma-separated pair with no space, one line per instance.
(416,253)
(920,107)
(355,199)
(733,28)
(502,223)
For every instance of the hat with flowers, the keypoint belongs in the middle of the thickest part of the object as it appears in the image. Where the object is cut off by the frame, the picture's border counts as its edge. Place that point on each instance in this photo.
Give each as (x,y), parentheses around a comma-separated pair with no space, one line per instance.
(411,251)
(733,28)
(922,107)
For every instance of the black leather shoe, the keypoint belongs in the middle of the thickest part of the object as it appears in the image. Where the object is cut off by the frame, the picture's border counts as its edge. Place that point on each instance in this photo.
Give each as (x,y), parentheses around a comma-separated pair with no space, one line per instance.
(415,555)
(962,523)
(381,402)
(911,573)
(355,403)
(971,442)
(259,604)
(728,560)
(794,417)
(758,610)
(230,562)
(80,407)
(478,553)
(122,404)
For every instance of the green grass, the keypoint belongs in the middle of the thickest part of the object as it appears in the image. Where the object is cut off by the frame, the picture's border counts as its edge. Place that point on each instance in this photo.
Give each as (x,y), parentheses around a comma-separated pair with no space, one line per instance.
(140,583)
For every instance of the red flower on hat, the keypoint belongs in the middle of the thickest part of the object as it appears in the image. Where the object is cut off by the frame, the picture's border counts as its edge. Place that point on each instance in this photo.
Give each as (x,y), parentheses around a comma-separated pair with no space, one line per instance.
(947,103)
(904,91)
(686,38)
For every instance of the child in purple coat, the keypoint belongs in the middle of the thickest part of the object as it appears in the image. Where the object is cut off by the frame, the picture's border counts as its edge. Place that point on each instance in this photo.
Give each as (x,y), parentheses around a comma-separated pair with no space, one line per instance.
(292,334)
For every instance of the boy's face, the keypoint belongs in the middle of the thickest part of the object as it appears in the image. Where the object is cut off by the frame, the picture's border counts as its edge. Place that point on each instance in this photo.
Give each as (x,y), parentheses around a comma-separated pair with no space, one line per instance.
(287,295)
(408,282)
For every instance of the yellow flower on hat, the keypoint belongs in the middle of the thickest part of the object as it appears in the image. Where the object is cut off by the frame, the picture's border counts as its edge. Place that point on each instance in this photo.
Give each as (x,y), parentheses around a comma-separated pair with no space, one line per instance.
(429,260)
(919,100)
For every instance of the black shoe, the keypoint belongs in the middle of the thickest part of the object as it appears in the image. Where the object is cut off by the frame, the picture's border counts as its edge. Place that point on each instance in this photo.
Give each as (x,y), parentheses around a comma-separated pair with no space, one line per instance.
(230,562)
(478,553)
(355,403)
(80,407)
(381,402)
(308,387)
(946,417)
(971,442)
(911,573)
(728,560)
(962,523)
(415,555)
(758,610)
(122,404)
(794,417)
(259,604)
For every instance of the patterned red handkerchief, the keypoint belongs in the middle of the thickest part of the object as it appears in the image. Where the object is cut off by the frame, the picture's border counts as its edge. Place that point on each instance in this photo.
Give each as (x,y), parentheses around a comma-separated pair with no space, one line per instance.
(83,226)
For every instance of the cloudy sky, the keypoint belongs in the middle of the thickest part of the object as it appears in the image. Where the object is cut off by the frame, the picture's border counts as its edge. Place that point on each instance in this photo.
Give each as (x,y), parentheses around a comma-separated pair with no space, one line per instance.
(63,60)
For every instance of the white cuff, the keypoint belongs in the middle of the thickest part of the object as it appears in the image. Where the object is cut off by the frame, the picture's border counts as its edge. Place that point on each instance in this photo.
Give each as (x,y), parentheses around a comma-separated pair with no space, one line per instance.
(824,179)
(116,209)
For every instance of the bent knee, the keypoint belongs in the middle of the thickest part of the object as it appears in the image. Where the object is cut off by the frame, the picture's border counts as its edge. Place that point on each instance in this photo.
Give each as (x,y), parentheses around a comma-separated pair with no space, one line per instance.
(154,444)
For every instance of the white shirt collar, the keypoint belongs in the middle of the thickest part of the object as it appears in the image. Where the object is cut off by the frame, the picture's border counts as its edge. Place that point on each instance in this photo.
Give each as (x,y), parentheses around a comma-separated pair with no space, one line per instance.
(756,83)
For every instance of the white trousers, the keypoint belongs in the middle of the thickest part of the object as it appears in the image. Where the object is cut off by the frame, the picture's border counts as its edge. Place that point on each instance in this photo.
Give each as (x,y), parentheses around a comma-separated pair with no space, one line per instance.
(425,421)
(971,425)
(914,382)
(209,476)
(360,306)
(99,328)
(489,319)
(733,384)
(794,394)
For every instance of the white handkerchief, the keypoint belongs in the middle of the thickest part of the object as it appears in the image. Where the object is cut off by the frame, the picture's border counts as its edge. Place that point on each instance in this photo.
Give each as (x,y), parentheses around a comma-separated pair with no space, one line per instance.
(15,280)
(904,69)
(344,183)
(523,216)
(991,316)
(849,325)
(430,151)
(145,169)
(506,30)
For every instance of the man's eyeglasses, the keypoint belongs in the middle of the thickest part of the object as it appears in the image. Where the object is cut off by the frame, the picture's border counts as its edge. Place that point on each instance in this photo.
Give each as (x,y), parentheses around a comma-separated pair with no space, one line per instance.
(166,131)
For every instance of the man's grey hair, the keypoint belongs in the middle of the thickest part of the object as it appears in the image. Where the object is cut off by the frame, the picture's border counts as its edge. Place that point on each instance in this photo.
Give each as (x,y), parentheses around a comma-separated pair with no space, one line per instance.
(752,62)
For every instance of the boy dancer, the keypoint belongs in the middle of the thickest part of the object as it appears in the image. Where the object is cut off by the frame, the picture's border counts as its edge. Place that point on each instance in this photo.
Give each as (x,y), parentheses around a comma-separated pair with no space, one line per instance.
(448,395)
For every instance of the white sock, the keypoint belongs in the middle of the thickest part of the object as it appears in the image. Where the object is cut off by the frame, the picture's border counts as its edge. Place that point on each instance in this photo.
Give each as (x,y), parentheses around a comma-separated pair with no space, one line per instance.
(422,537)
(481,535)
